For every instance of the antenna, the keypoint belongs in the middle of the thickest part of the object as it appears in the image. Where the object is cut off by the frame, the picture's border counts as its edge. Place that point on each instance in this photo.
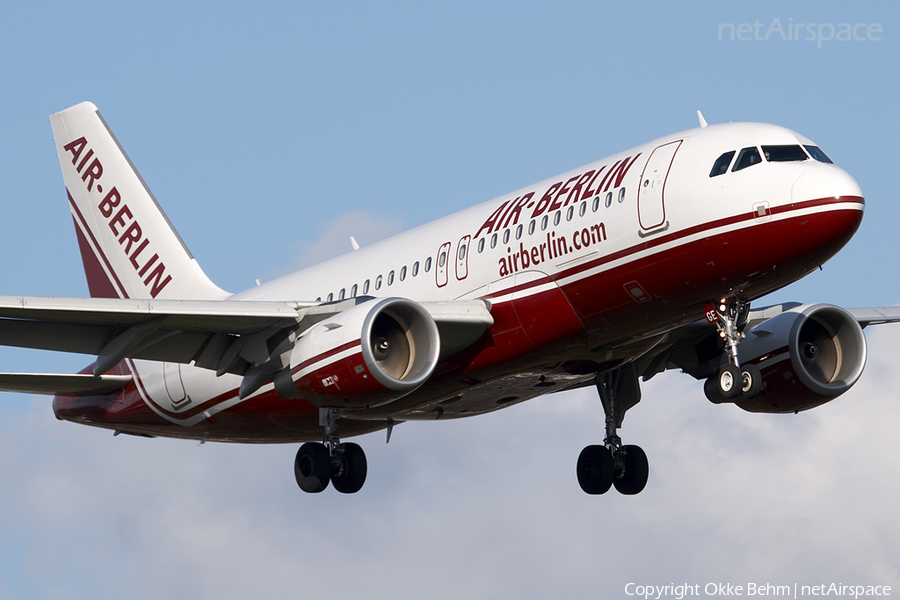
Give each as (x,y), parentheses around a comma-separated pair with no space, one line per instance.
(702,120)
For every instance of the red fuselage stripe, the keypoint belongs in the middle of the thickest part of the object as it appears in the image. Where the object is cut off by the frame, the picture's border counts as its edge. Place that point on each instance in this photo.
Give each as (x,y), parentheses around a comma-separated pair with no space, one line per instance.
(690,231)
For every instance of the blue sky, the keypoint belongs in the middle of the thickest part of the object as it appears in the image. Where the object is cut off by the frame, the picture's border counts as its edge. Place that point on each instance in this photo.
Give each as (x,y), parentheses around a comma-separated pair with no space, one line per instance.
(271,133)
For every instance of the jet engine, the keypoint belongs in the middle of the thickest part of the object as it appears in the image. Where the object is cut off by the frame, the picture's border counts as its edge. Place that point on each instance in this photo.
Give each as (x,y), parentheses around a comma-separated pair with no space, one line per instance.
(807,355)
(369,355)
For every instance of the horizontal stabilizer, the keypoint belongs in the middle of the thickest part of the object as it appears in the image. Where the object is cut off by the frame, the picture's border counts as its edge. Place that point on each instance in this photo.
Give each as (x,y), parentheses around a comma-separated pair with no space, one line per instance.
(62,385)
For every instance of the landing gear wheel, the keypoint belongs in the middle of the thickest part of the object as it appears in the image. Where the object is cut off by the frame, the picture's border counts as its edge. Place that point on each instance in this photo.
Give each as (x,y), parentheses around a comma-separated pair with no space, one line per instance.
(751,381)
(711,389)
(595,470)
(730,381)
(636,471)
(353,469)
(312,468)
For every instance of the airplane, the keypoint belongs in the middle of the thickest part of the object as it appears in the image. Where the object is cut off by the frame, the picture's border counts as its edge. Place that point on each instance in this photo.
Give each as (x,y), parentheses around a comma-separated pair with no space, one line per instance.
(603,276)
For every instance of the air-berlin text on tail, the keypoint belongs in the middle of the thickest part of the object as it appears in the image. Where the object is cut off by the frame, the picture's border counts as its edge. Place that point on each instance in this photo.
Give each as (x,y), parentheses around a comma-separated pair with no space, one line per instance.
(560,194)
(120,220)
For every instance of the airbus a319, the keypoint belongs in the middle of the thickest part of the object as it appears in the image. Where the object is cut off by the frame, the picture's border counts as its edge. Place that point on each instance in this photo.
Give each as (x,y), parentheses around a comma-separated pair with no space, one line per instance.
(603,276)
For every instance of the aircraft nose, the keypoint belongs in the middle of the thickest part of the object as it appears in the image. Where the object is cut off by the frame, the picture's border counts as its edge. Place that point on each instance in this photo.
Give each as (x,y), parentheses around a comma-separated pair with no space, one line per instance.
(824,181)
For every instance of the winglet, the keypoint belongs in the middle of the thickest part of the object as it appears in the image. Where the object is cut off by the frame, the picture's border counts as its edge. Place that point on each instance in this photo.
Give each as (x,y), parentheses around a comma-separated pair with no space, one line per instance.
(702,120)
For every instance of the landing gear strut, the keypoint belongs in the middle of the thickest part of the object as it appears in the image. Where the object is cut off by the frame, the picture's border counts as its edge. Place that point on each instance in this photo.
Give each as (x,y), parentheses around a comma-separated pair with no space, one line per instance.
(342,464)
(615,464)
(733,380)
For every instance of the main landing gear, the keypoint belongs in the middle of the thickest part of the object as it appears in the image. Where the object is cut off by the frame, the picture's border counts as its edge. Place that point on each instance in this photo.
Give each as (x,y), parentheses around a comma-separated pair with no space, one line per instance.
(733,380)
(613,464)
(342,464)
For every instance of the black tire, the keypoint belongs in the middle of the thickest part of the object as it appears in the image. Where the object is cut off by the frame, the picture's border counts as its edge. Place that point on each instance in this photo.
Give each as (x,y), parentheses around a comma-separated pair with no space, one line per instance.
(751,380)
(711,389)
(637,471)
(353,473)
(312,468)
(729,381)
(595,470)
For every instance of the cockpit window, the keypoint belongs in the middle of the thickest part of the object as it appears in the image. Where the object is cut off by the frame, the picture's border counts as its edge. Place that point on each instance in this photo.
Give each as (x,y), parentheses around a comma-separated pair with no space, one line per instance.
(817,154)
(784,153)
(747,158)
(721,164)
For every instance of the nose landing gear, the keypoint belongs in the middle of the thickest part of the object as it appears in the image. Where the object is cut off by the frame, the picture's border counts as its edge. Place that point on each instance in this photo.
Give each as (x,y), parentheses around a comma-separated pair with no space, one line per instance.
(614,464)
(733,380)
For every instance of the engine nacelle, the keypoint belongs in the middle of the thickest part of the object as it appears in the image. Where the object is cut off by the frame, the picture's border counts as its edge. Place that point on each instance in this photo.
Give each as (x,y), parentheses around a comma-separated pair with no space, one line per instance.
(807,356)
(369,355)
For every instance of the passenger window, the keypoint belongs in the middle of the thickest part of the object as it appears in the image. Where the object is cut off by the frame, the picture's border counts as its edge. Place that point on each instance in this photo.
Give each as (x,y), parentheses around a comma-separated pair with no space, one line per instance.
(353,291)
(721,164)
(330,297)
(596,204)
(366,287)
(583,209)
(461,255)
(428,263)
(403,273)
(442,259)
(480,250)
(569,213)
(747,158)
(608,199)
(391,278)
(416,264)
(506,236)
(494,241)
(621,195)
(784,153)
(817,154)
(531,226)
(378,282)
(544,222)
(557,217)
(518,234)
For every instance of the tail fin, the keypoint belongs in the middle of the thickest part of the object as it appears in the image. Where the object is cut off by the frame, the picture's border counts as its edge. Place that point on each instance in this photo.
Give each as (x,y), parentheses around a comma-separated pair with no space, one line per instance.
(128,246)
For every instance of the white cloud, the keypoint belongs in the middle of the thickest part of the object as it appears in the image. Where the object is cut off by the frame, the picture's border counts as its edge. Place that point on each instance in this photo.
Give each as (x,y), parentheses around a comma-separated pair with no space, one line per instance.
(483,508)
(334,238)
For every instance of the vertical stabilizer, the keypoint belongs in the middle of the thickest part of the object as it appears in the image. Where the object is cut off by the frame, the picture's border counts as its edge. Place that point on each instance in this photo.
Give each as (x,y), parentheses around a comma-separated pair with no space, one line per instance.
(128,247)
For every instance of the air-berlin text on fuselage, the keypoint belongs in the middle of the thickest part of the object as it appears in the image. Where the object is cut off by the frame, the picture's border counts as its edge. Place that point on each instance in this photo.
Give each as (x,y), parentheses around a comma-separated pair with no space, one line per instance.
(120,220)
(560,194)
(553,247)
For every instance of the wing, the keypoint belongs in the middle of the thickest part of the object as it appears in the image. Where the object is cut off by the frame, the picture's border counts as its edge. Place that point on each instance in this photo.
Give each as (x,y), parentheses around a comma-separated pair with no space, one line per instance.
(876,316)
(213,334)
